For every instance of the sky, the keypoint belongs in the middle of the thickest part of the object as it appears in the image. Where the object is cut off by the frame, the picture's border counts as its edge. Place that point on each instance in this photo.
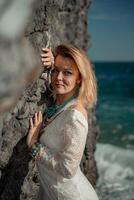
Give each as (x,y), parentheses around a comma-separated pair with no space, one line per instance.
(111,28)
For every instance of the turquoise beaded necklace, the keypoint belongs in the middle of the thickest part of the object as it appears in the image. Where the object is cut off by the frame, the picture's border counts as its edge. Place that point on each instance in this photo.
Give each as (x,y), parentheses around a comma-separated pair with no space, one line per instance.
(55,108)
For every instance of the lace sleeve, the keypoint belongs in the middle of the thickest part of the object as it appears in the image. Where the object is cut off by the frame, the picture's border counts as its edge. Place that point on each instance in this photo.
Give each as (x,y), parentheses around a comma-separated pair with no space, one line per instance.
(67,161)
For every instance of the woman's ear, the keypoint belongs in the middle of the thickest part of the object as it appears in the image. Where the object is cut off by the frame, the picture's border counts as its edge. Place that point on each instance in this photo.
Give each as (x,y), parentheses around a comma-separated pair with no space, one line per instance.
(78,80)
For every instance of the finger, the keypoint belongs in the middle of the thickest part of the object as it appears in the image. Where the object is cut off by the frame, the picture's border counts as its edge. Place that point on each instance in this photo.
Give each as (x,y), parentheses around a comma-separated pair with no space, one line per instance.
(35,119)
(45,49)
(31,123)
(48,59)
(40,116)
(46,64)
(47,54)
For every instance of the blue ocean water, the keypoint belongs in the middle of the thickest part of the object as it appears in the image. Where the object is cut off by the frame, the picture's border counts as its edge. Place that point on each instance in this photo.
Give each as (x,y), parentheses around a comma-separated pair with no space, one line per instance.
(115,118)
(115,109)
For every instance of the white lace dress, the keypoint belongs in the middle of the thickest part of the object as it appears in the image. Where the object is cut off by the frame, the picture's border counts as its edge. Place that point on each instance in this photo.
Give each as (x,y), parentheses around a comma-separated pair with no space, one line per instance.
(64,141)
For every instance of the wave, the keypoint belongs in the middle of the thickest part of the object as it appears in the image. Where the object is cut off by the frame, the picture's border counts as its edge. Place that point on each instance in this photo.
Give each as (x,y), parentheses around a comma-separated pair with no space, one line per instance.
(114,163)
(116,172)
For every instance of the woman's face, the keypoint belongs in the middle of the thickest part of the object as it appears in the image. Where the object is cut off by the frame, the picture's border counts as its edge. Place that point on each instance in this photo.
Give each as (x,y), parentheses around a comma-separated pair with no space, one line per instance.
(65,76)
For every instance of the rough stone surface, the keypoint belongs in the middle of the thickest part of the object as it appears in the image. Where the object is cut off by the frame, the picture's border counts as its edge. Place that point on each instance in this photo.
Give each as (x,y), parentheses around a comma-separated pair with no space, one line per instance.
(53,22)
(18,60)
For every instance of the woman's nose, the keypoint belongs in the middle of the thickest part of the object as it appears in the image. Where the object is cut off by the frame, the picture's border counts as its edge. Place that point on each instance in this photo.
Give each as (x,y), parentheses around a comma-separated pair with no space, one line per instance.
(59,76)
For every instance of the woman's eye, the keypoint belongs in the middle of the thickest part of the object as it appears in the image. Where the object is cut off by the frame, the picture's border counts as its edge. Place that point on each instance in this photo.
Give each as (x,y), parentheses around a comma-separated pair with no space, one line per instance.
(67,73)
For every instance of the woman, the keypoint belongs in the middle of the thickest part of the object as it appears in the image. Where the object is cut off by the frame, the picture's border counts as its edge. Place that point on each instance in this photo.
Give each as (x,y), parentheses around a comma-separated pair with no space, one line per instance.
(58,143)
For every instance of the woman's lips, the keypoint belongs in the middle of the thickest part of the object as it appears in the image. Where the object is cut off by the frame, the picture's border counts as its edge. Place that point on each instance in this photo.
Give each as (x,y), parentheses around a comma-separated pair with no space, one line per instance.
(58,85)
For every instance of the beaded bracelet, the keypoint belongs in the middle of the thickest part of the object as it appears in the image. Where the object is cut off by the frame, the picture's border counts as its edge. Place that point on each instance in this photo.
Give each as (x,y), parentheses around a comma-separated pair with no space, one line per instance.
(35,149)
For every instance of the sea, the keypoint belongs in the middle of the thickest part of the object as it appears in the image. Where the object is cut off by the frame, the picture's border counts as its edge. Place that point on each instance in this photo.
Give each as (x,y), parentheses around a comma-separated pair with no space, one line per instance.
(115,119)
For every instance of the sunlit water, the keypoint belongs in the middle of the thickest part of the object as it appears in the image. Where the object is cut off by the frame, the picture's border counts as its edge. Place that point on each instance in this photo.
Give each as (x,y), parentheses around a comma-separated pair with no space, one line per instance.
(115,114)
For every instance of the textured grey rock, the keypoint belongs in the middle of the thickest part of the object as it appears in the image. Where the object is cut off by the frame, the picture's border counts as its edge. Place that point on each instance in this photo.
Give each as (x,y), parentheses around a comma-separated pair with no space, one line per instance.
(13,17)
(54,21)
(18,60)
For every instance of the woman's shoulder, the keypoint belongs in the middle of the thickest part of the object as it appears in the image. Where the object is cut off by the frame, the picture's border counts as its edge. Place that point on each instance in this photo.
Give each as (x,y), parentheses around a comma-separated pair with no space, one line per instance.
(77,112)
(81,109)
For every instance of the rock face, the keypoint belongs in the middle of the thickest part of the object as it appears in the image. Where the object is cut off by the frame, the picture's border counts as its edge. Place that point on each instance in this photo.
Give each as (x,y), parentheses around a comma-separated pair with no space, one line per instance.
(53,22)
(17,57)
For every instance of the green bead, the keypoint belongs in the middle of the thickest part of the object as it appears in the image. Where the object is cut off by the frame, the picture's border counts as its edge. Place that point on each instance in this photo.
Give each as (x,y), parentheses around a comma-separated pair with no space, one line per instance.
(55,108)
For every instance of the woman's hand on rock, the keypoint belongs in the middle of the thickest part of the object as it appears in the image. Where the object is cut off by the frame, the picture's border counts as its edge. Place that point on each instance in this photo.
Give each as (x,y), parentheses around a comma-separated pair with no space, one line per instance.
(35,126)
(47,57)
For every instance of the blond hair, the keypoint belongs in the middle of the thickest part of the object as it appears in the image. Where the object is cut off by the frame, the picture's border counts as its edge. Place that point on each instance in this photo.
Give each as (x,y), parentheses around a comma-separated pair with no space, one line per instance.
(88,87)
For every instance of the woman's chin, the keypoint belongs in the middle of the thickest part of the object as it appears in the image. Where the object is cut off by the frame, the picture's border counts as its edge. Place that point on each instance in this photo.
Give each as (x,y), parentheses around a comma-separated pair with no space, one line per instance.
(59,92)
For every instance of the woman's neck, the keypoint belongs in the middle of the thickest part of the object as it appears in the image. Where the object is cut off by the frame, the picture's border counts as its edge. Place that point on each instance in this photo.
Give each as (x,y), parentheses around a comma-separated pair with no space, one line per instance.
(60,99)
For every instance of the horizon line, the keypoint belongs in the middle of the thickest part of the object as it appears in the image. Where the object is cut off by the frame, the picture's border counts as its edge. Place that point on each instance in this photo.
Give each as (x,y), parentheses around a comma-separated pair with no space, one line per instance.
(112,61)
